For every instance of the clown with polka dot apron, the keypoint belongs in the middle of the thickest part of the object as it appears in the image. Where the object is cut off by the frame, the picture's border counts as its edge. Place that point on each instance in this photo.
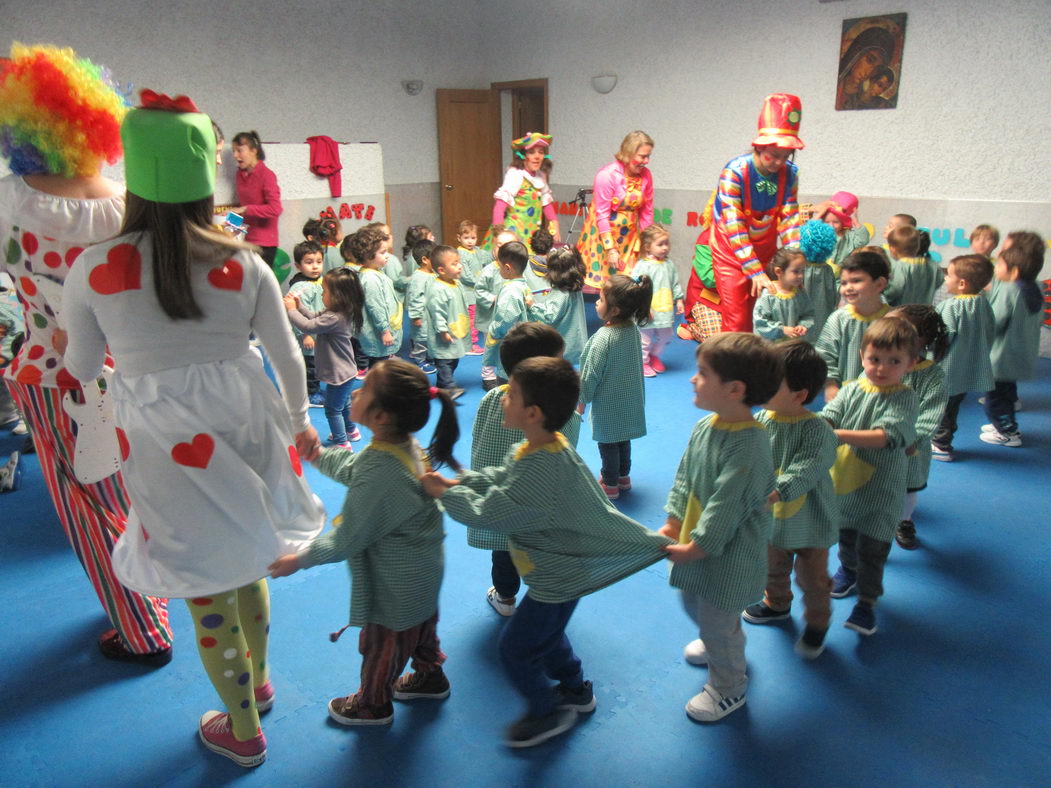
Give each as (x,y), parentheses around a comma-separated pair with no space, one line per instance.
(524,201)
(208,447)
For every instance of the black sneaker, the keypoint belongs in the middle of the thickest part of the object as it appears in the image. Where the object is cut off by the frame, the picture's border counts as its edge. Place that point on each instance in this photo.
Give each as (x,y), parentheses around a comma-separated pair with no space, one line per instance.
(413,686)
(530,731)
(811,644)
(862,619)
(112,646)
(489,385)
(905,536)
(843,582)
(582,699)
(762,613)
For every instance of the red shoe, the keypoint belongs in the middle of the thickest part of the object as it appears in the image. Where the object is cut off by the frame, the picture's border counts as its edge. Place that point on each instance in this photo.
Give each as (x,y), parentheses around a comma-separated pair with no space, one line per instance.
(264,697)
(612,492)
(218,736)
(657,364)
(648,371)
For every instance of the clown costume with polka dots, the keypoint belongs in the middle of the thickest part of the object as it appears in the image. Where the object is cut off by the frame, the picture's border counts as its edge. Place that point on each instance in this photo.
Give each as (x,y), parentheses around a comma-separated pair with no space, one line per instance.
(210,453)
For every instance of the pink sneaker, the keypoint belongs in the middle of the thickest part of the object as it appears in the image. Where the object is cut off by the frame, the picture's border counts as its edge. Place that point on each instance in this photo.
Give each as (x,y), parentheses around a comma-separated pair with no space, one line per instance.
(476,350)
(648,371)
(613,493)
(657,364)
(264,697)
(218,736)
(624,483)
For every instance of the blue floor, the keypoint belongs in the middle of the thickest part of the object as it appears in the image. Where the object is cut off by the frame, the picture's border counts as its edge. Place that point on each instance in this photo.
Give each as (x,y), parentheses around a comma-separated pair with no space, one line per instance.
(952,690)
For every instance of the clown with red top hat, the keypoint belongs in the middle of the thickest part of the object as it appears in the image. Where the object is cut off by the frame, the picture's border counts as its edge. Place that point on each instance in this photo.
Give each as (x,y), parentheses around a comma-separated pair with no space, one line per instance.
(754,211)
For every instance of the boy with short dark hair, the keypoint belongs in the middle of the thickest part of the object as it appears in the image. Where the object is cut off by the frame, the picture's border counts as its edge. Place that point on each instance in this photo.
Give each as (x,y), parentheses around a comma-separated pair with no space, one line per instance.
(512,302)
(416,295)
(969,320)
(566,540)
(863,279)
(309,259)
(874,418)
(717,512)
(491,441)
(913,275)
(1017,308)
(806,515)
(450,323)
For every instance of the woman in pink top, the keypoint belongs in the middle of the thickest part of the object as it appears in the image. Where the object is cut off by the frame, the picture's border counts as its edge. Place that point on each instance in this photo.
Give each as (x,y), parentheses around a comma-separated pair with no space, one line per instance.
(621,208)
(258,194)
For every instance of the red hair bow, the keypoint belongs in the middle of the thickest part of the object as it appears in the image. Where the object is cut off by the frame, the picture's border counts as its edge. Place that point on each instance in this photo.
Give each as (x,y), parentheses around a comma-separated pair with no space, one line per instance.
(153,100)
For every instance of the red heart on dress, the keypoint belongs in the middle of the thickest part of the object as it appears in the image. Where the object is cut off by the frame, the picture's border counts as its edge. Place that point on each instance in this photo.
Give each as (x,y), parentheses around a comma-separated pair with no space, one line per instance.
(121,271)
(293,457)
(228,276)
(29,375)
(125,447)
(65,380)
(195,454)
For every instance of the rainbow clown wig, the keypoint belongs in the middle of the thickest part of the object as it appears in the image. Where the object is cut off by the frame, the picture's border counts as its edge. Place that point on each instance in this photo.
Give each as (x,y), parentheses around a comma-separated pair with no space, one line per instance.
(59,114)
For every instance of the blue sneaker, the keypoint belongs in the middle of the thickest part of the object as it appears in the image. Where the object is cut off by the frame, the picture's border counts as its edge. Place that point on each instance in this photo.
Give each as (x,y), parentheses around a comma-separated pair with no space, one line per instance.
(862,619)
(317,400)
(843,582)
(427,367)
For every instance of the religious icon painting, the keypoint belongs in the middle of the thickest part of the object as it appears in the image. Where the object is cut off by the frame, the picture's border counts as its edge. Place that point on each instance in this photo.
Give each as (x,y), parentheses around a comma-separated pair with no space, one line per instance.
(870,62)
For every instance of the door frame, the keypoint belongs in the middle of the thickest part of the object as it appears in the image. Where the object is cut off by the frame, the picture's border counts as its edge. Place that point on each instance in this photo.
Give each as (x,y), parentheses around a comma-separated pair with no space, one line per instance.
(529,83)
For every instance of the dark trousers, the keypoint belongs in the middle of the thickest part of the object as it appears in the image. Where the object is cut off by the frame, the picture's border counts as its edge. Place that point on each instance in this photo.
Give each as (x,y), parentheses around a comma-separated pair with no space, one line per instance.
(943,435)
(268,253)
(384,654)
(361,361)
(616,461)
(446,368)
(313,387)
(1000,406)
(866,557)
(535,650)
(505,575)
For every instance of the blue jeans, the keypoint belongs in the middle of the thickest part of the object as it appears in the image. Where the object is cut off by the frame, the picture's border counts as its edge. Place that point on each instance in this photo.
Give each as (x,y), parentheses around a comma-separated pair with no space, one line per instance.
(446,368)
(534,648)
(616,461)
(337,410)
(505,576)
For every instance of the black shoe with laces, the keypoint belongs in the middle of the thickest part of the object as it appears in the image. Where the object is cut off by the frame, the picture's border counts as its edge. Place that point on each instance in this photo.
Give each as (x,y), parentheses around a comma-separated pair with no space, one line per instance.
(762,613)
(582,699)
(905,536)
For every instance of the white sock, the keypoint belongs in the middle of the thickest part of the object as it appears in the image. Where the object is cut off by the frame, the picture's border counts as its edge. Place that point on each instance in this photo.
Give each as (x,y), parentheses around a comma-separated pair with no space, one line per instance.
(910,506)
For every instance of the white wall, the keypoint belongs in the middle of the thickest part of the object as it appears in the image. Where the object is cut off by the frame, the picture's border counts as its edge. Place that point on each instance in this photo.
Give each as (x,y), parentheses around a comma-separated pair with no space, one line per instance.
(288,70)
(693,74)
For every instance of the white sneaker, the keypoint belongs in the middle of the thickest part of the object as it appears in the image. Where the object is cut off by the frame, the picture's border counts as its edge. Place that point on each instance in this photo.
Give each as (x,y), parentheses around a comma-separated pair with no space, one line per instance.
(989,428)
(998,438)
(711,705)
(695,653)
(499,605)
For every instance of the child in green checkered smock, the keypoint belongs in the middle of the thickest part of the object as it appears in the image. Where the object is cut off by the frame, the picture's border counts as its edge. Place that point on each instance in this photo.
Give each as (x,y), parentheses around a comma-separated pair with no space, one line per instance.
(927,379)
(611,377)
(717,512)
(787,312)
(970,324)
(512,303)
(487,289)
(874,418)
(561,304)
(416,297)
(914,276)
(804,507)
(668,296)
(863,279)
(820,281)
(474,260)
(380,335)
(390,534)
(491,441)
(447,308)
(565,538)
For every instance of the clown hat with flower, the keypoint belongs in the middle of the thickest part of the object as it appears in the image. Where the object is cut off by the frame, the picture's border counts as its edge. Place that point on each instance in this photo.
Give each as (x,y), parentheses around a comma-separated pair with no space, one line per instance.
(779,121)
(531,139)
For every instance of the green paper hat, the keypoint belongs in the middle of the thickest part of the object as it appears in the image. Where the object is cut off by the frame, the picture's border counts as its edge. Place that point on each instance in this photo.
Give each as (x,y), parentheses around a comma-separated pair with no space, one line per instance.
(169,150)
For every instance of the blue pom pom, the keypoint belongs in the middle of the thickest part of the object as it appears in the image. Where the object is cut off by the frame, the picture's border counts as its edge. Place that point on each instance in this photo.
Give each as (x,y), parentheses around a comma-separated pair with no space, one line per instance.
(817,240)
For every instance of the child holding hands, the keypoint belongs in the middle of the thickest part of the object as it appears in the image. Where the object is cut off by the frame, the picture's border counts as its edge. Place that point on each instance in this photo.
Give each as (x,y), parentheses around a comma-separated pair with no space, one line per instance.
(806,516)
(786,313)
(874,418)
(565,538)
(717,512)
(391,538)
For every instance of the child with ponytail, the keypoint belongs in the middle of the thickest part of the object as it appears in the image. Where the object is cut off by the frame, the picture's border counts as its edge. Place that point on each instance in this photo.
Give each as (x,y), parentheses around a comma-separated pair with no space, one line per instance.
(391,538)
(611,376)
(927,379)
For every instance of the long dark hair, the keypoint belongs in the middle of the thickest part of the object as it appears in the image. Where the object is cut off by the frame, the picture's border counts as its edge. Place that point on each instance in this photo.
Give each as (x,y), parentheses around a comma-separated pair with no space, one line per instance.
(934,334)
(630,296)
(346,295)
(403,391)
(174,228)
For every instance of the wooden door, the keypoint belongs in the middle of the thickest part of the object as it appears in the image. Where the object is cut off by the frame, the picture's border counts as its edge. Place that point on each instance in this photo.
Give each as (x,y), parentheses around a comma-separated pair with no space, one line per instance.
(469,163)
(528,111)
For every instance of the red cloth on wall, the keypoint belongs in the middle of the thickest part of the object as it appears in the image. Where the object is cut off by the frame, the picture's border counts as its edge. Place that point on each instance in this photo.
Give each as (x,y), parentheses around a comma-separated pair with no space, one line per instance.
(324,160)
